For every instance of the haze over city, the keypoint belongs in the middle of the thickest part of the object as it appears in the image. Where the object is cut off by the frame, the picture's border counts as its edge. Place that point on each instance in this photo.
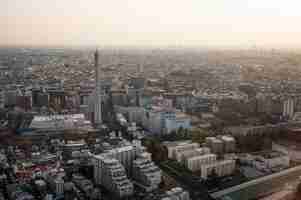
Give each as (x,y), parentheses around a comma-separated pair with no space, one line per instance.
(272,23)
(150,100)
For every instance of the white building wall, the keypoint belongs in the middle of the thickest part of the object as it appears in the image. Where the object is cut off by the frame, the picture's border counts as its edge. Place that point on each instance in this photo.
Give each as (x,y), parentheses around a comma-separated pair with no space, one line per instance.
(222,168)
(195,163)
(288,108)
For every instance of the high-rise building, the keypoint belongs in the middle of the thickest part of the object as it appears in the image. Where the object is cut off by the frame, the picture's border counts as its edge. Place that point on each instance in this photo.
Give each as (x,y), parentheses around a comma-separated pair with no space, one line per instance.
(97,99)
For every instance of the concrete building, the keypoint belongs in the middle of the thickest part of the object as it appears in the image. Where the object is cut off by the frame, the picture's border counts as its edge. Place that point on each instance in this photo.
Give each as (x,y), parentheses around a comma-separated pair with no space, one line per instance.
(195,163)
(216,145)
(71,147)
(184,155)
(176,194)
(95,102)
(179,121)
(110,173)
(288,108)
(2,98)
(125,155)
(146,173)
(63,122)
(241,131)
(229,143)
(163,121)
(133,114)
(173,148)
(221,168)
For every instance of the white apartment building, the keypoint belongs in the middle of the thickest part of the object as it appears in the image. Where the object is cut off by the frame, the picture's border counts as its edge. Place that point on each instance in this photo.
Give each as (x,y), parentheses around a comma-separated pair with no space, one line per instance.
(229,143)
(195,163)
(221,168)
(216,145)
(125,155)
(146,173)
(184,155)
(174,148)
(109,173)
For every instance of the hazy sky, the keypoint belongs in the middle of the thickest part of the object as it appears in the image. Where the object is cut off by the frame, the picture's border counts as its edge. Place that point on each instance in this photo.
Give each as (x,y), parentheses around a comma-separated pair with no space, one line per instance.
(150,22)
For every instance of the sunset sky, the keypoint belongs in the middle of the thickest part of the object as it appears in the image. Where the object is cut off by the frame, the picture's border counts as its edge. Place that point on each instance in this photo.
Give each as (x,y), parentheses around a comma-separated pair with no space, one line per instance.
(151,22)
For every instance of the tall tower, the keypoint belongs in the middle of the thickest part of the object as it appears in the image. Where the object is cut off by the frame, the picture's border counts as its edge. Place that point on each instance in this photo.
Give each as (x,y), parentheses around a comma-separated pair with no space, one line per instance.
(97,100)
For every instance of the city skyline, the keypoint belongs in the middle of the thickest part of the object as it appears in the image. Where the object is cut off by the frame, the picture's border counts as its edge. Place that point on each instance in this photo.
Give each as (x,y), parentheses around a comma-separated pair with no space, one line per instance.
(141,23)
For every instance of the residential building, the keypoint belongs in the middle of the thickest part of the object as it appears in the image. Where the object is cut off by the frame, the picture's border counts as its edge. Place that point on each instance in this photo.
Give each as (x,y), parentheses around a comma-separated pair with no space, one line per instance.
(146,173)
(173,148)
(195,163)
(216,145)
(289,108)
(184,155)
(110,173)
(221,168)
(229,143)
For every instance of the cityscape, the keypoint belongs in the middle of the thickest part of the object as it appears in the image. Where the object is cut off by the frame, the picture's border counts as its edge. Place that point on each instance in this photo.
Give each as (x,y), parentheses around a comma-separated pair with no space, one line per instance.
(85,119)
